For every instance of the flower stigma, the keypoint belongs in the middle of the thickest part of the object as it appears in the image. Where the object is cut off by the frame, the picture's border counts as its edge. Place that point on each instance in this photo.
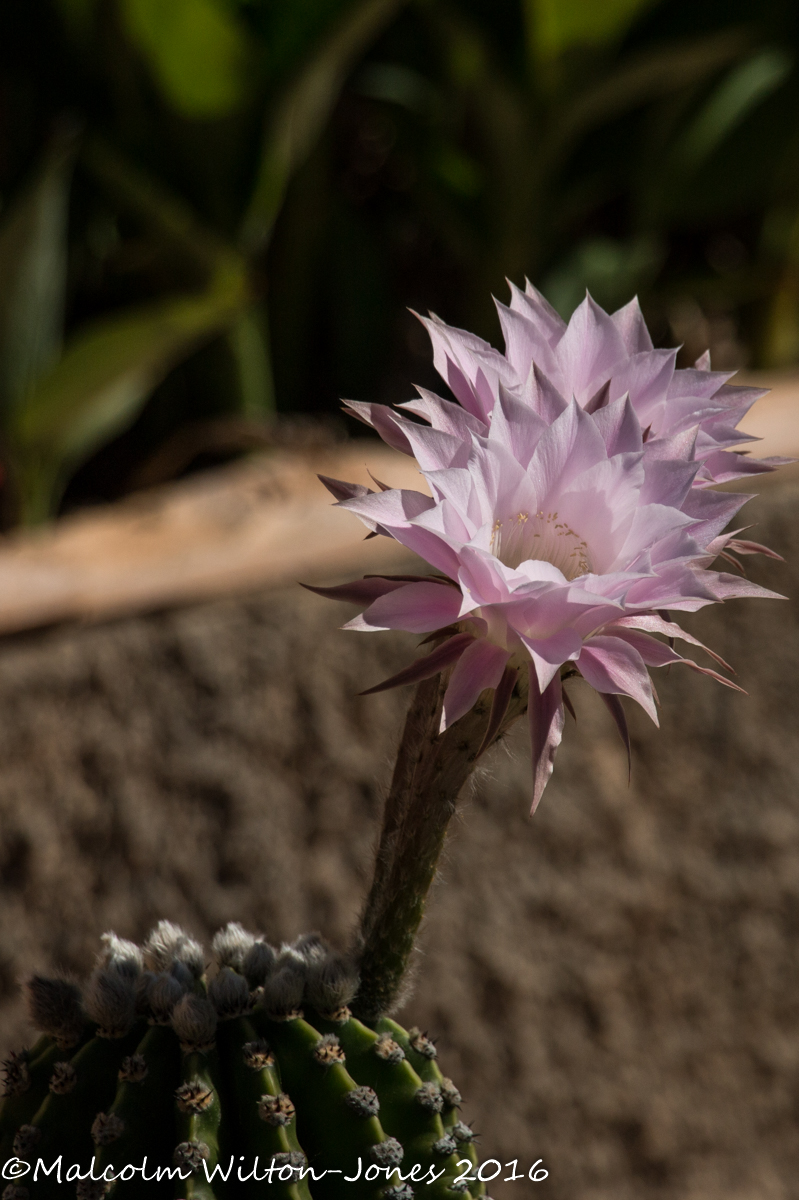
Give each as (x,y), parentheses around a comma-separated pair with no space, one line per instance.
(542,537)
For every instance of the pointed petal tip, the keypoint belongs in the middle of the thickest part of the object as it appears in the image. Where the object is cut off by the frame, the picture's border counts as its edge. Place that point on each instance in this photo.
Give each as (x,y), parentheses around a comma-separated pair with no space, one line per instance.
(568,705)
(547,717)
(616,709)
(499,707)
(425,668)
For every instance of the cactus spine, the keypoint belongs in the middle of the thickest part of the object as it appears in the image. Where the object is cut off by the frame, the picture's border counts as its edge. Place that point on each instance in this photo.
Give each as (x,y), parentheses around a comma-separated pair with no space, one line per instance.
(259,1065)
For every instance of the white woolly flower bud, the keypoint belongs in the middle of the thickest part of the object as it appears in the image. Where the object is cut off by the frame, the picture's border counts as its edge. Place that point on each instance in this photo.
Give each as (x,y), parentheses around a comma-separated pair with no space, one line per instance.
(231,944)
(331,983)
(110,1000)
(54,1007)
(119,955)
(281,995)
(194,1021)
(310,947)
(168,944)
(183,974)
(259,962)
(143,985)
(160,996)
(229,993)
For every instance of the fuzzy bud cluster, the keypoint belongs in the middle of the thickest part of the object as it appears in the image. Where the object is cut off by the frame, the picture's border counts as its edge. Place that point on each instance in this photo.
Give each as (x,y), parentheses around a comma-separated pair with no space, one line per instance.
(164,983)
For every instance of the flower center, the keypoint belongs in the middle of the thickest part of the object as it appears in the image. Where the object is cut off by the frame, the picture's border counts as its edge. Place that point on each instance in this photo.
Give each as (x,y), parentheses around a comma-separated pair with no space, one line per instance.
(541,536)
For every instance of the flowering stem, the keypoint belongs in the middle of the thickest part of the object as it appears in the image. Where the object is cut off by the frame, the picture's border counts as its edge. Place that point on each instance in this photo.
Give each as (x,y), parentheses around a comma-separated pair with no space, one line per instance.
(429,773)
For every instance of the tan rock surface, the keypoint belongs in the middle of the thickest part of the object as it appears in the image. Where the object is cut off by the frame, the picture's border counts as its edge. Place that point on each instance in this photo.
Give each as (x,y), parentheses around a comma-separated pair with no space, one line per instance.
(260,522)
(614,985)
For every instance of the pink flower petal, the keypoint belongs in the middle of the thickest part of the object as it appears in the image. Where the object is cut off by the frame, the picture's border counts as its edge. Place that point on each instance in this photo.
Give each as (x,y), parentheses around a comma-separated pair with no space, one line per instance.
(619,427)
(342,490)
(656,654)
(549,654)
(650,623)
(480,666)
(434,449)
(425,668)
(631,325)
(645,378)
(415,607)
(516,427)
(542,395)
(502,698)
(731,587)
(395,508)
(461,359)
(383,420)
(360,591)
(698,384)
(570,445)
(743,546)
(589,348)
(616,710)
(444,415)
(521,344)
(549,324)
(545,710)
(610,665)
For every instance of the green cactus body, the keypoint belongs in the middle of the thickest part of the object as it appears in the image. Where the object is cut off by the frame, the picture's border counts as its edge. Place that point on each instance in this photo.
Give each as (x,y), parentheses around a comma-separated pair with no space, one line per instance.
(252,1074)
(27,1078)
(145,1104)
(198,1119)
(421,1054)
(409,1112)
(213,1090)
(64,1119)
(335,1116)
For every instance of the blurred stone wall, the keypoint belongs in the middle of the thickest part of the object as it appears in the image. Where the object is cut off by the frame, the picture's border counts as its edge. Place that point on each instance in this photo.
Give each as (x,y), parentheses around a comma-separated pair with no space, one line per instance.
(614,985)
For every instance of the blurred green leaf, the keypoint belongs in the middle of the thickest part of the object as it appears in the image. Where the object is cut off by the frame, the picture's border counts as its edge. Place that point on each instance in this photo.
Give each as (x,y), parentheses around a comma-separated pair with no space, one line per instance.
(558,25)
(78,14)
(158,207)
(104,376)
(198,51)
(249,342)
(303,110)
(610,270)
(746,86)
(458,171)
(648,76)
(33,267)
(396,85)
(781,337)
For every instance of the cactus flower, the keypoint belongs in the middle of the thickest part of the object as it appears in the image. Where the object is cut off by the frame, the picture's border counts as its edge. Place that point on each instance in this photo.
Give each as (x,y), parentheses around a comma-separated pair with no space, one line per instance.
(594,359)
(560,535)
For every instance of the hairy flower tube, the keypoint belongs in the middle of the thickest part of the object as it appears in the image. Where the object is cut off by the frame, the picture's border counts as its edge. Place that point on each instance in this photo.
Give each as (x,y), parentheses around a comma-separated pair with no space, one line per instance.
(561,533)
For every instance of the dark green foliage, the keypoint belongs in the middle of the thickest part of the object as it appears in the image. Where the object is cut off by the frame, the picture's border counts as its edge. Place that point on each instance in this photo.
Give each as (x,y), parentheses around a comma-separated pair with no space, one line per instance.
(172,130)
(227,206)
(261,1064)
